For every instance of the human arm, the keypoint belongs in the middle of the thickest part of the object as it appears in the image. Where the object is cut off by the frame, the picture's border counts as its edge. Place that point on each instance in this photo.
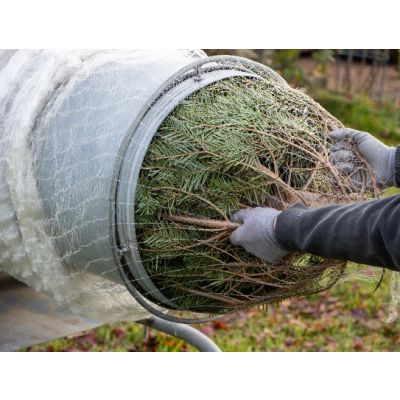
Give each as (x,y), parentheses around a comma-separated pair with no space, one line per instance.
(367,232)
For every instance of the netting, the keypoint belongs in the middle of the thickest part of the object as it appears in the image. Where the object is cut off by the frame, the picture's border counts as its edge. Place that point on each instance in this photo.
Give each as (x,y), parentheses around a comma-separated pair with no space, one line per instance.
(239,143)
(73,121)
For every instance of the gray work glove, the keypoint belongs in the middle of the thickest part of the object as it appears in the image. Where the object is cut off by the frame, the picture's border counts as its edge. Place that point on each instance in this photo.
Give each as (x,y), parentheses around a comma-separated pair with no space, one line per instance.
(257,233)
(381,158)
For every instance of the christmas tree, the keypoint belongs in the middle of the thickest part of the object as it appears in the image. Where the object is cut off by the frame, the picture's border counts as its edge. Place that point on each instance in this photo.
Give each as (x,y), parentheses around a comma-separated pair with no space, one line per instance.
(237,143)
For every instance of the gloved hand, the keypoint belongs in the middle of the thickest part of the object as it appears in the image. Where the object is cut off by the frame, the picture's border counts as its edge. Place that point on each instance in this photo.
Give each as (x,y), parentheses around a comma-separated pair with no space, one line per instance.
(381,158)
(257,233)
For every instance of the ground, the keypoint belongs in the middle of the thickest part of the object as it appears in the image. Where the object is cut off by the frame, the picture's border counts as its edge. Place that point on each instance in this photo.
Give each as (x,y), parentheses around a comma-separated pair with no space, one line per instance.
(349,317)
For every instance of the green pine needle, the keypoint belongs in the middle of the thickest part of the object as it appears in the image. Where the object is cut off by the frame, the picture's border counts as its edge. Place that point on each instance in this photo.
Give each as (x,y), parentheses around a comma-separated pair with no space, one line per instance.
(237,143)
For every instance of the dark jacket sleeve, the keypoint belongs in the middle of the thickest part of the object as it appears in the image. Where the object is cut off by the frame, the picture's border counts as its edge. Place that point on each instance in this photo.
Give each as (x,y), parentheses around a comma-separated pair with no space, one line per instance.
(367,232)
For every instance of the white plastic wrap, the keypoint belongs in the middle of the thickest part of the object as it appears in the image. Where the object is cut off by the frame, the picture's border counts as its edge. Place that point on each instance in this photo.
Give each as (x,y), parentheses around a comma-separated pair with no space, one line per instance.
(63,117)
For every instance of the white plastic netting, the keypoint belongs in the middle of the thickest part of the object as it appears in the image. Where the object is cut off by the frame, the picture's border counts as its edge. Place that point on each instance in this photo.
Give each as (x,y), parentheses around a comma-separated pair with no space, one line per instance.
(63,116)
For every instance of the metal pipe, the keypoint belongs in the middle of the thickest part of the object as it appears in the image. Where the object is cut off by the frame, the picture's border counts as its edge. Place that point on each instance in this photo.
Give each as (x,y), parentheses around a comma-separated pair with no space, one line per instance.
(184,332)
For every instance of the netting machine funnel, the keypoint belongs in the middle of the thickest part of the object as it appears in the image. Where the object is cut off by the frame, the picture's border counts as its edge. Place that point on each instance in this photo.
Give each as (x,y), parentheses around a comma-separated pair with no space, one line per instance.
(72,207)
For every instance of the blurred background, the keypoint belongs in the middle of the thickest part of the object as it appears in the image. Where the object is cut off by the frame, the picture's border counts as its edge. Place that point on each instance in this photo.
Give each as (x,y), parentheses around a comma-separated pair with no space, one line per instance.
(362,89)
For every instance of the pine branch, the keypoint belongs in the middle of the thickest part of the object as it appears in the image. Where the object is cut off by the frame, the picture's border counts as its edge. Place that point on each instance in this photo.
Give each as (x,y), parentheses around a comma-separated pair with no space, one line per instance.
(202,222)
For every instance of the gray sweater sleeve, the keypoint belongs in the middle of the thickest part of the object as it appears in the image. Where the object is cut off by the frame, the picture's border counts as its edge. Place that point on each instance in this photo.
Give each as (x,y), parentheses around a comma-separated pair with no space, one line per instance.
(367,232)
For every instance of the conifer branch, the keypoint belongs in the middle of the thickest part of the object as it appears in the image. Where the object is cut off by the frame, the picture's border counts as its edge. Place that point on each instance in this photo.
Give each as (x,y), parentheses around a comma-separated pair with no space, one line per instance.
(203,222)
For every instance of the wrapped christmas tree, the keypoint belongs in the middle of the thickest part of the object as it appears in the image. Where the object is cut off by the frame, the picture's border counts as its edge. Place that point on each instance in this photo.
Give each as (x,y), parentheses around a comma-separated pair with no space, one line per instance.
(237,143)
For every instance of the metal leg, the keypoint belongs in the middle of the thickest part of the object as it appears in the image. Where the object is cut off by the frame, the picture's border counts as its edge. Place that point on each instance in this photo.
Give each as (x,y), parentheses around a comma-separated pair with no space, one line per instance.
(182,331)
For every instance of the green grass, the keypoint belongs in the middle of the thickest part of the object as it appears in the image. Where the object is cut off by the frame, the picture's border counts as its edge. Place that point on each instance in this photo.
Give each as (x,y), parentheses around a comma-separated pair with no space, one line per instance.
(349,317)
(360,112)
